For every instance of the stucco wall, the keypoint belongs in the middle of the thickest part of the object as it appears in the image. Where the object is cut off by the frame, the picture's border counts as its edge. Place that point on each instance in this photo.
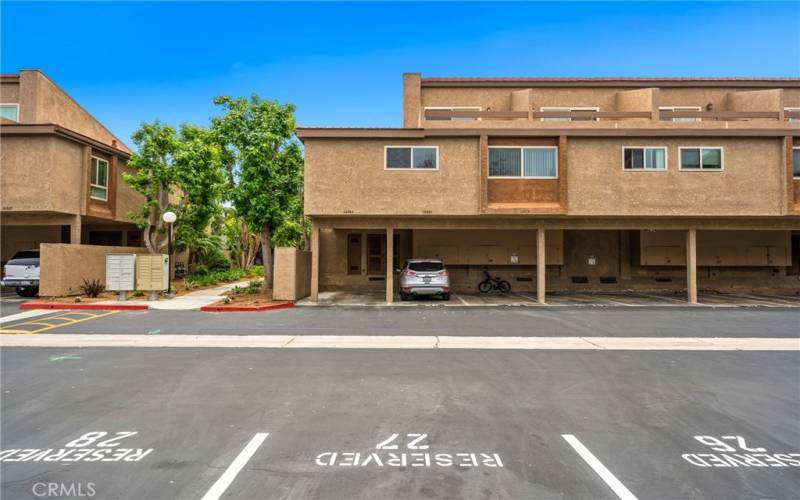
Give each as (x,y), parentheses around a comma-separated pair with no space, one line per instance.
(50,104)
(292,274)
(9,92)
(348,176)
(750,183)
(40,173)
(64,267)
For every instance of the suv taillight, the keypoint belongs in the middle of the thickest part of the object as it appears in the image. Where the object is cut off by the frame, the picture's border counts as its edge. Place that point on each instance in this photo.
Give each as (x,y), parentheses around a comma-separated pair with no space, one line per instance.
(444,273)
(409,272)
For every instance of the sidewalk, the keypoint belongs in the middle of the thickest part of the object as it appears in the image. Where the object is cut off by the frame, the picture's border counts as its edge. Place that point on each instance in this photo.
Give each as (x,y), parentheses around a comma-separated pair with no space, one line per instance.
(189,301)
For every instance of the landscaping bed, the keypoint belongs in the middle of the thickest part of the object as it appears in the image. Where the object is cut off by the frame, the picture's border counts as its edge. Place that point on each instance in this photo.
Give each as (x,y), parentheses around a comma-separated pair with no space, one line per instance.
(253,297)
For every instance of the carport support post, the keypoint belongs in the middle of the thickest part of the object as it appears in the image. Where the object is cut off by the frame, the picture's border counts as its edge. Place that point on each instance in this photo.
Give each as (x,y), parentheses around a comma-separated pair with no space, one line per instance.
(540,265)
(314,295)
(75,231)
(691,265)
(389,265)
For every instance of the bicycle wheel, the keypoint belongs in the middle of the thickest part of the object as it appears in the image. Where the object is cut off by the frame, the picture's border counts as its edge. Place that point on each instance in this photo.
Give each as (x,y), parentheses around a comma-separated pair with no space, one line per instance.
(504,286)
(485,286)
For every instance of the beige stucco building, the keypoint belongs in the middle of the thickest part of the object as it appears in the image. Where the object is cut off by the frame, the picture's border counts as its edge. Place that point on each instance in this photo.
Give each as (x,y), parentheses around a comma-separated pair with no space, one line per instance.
(60,171)
(603,183)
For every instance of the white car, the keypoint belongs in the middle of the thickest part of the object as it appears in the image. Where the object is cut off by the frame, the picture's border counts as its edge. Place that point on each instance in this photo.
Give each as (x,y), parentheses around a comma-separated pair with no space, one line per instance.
(22,273)
(424,277)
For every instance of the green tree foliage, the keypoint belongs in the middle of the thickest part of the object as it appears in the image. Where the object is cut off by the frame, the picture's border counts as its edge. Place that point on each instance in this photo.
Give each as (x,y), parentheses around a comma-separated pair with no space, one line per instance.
(266,165)
(180,171)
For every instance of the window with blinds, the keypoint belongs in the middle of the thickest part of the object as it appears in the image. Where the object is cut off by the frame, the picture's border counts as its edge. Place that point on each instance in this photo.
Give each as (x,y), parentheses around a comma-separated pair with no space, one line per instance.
(523,163)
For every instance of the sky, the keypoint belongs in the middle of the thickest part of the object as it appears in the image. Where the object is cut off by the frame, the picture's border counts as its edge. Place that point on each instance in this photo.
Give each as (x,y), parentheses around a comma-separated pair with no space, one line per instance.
(341,64)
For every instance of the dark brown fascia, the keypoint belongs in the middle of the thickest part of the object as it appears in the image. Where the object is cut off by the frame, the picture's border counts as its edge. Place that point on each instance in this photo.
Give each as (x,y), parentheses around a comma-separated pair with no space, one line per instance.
(57,130)
(612,82)
(418,133)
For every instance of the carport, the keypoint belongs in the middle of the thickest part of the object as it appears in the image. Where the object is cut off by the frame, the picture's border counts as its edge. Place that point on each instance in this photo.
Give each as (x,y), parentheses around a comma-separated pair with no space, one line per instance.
(593,257)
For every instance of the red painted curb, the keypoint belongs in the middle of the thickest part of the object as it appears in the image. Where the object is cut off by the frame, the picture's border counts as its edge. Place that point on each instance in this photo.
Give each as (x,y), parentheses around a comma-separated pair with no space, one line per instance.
(266,307)
(84,307)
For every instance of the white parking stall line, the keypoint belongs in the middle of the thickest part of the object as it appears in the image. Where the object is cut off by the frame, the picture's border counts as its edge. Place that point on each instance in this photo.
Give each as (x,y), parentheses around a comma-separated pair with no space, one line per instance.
(610,479)
(461,299)
(233,469)
(26,314)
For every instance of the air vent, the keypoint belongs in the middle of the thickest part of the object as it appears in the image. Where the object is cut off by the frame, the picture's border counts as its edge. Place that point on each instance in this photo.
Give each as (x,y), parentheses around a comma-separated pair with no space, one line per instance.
(579,279)
(608,280)
(522,278)
(347,211)
(376,278)
(664,279)
(427,211)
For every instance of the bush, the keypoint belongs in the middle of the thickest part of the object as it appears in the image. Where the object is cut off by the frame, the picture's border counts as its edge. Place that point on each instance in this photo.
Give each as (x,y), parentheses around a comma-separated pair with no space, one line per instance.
(212,278)
(255,286)
(215,261)
(92,288)
(255,271)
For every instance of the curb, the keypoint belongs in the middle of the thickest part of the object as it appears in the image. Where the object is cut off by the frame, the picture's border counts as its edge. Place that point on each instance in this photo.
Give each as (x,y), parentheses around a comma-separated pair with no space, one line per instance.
(266,307)
(83,307)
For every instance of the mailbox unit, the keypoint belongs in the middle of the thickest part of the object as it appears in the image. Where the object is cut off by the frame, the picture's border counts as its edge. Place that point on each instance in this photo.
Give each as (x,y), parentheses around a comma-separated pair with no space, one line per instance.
(152,272)
(121,272)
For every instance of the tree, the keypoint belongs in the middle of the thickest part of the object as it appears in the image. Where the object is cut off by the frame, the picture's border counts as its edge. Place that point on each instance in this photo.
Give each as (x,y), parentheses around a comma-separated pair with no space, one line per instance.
(266,164)
(153,176)
(201,180)
(180,171)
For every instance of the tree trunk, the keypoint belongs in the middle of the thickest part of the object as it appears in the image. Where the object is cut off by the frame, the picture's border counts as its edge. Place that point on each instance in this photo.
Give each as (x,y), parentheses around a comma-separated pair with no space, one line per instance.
(266,256)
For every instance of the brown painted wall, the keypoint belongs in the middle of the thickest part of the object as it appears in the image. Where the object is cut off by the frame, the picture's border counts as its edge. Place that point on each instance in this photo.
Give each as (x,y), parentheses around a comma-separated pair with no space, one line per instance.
(16,238)
(292,274)
(751,182)
(42,101)
(486,247)
(348,176)
(64,266)
(718,248)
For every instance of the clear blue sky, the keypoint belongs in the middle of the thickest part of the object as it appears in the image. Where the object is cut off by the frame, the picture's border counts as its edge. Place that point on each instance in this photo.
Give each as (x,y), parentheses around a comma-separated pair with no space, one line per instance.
(341,63)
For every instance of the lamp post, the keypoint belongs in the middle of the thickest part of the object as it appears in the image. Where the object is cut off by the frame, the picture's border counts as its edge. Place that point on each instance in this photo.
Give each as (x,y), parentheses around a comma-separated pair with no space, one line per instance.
(169,217)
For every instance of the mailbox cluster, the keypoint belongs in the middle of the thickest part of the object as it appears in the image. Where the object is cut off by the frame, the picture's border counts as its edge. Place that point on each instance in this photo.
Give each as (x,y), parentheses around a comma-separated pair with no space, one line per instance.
(126,272)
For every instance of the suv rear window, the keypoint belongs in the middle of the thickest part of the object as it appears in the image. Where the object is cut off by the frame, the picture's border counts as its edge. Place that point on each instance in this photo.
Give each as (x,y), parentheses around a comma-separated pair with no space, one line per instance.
(25,258)
(425,266)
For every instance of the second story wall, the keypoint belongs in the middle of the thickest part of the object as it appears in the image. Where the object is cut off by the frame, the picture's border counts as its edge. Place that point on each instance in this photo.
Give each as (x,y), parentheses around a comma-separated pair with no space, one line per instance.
(346,176)
(751,182)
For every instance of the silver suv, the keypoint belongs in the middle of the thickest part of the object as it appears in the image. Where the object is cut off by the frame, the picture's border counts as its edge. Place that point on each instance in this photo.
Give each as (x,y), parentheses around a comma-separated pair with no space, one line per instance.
(424,277)
(22,273)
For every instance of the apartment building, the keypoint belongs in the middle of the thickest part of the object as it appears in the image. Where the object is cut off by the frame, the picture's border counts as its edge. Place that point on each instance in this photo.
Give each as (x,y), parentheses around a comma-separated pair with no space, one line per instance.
(565,184)
(61,178)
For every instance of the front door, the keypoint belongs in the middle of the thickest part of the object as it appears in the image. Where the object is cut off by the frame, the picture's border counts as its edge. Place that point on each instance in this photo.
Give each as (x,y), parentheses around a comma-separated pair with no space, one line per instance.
(376,254)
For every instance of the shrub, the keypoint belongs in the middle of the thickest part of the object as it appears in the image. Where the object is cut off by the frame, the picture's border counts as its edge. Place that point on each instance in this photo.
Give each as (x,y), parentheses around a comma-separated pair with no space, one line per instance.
(138,293)
(255,271)
(255,286)
(213,278)
(216,261)
(92,288)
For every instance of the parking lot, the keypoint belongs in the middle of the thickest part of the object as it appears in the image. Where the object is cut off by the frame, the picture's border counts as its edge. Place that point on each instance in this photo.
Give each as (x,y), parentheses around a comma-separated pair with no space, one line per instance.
(557,299)
(170,423)
(573,401)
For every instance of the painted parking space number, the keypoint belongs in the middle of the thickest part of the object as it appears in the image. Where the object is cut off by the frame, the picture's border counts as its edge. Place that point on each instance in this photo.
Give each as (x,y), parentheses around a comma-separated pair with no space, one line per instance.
(407,450)
(95,446)
(736,451)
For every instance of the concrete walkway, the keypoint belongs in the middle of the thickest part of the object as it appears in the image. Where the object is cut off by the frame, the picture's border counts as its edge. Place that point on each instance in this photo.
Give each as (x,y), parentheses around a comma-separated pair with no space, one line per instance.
(189,301)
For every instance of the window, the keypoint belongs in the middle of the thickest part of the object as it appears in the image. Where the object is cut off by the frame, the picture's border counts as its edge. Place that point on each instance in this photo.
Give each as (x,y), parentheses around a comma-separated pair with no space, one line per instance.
(644,158)
(454,118)
(679,108)
(416,157)
(701,158)
(99,183)
(566,119)
(794,110)
(796,163)
(532,162)
(9,112)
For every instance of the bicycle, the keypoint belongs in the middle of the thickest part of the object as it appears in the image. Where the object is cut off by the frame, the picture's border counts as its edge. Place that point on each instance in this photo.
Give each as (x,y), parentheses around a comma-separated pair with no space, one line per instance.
(490,283)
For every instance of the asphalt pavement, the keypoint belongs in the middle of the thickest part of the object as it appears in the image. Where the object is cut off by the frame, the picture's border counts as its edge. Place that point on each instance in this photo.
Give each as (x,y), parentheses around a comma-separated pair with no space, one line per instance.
(346,424)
